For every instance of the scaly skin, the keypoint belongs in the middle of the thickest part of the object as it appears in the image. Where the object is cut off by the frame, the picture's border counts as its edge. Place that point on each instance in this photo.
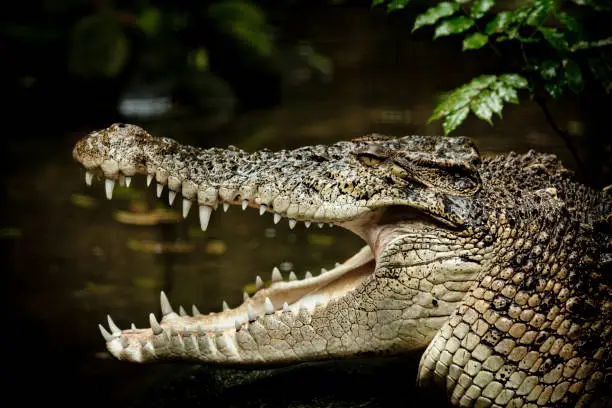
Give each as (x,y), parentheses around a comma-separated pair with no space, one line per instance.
(499,268)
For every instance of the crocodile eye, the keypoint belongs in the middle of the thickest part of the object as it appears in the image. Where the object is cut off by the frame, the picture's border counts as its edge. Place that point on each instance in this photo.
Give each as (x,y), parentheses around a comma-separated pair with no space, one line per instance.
(464,183)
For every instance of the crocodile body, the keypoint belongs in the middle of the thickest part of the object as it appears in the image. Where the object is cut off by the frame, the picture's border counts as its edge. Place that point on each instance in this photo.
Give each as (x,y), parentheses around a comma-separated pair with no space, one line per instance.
(497,267)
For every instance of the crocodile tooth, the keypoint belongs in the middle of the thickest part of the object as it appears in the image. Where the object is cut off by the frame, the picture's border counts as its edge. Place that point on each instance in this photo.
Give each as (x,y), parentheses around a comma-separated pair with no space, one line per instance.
(225,306)
(276,275)
(182,311)
(251,314)
(308,275)
(330,225)
(186,207)
(338,264)
(166,308)
(133,326)
(262,209)
(218,333)
(258,283)
(292,276)
(88,178)
(149,179)
(225,207)
(149,347)
(114,328)
(286,307)
(245,204)
(205,212)
(323,270)
(128,181)
(277,218)
(307,224)
(195,311)
(109,185)
(107,336)
(292,223)
(268,306)
(237,325)
(160,188)
(245,296)
(171,196)
(155,325)
(320,225)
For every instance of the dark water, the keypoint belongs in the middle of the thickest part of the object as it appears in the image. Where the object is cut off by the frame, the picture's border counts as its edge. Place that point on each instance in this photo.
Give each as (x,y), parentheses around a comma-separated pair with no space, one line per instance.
(69,260)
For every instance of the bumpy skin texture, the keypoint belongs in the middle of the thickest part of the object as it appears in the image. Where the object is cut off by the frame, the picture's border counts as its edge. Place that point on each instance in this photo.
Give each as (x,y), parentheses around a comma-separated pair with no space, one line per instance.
(498,267)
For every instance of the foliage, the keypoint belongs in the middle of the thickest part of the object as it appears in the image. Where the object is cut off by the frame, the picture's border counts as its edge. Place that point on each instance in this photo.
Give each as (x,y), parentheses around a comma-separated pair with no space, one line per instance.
(552,47)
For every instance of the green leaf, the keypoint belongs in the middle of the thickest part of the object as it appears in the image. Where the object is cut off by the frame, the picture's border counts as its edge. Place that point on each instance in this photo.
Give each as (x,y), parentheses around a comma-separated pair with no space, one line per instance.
(538,13)
(474,41)
(500,23)
(433,14)
(480,8)
(481,110)
(376,3)
(548,69)
(554,37)
(514,80)
(397,5)
(493,100)
(505,92)
(453,25)
(452,121)
(573,75)
(150,20)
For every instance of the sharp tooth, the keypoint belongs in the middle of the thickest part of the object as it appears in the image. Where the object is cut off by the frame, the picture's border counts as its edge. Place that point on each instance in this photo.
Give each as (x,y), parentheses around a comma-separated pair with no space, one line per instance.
(128,181)
(166,308)
(277,218)
(225,207)
(307,224)
(160,188)
(251,314)
(323,270)
(114,328)
(186,207)
(107,336)
(320,225)
(268,306)
(133,326)
(154,325)
(237,325)
(286,307)
(182,311)
(171,196)
(262,209)
(258,283)
(330,225)
(292,223)
(195,311)
(245,204)
(276,275)
(149,179)
(149,347)
(225,306)
(292,276)
(205,212)
(308,275)
(109,185)
(245,296)
(218,333)
(88,178)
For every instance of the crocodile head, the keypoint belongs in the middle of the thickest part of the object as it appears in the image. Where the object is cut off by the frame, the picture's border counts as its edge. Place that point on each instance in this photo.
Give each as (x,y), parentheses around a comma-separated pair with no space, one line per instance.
(382,189)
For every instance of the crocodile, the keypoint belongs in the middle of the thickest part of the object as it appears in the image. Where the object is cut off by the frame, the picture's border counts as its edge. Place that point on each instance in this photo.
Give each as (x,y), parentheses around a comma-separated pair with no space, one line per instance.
(496,268)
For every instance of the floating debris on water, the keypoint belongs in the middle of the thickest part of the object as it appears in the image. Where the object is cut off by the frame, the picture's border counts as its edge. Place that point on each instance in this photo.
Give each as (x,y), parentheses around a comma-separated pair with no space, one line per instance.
(157,216)
(157,247)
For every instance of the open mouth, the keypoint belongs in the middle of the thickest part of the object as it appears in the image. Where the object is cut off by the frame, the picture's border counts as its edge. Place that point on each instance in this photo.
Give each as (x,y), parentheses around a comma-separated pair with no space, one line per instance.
(277,295)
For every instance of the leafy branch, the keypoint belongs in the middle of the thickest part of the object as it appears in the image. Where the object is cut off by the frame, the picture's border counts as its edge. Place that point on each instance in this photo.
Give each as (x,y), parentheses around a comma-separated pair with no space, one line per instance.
(559,50)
